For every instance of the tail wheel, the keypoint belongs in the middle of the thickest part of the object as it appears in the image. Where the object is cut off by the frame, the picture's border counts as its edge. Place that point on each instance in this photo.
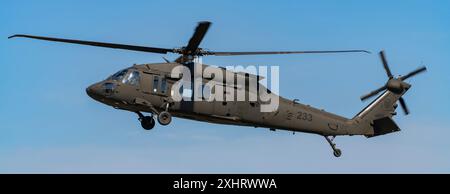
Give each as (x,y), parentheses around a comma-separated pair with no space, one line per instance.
(337,153)
(164,118)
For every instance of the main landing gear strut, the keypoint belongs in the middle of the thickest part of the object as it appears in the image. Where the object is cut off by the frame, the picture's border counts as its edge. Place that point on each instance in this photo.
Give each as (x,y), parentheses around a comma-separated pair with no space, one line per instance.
(336,152)
(148,122)
(164,117)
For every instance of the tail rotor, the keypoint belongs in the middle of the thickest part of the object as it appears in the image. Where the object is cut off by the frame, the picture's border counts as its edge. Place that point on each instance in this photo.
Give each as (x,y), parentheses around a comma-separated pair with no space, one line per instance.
(394,84)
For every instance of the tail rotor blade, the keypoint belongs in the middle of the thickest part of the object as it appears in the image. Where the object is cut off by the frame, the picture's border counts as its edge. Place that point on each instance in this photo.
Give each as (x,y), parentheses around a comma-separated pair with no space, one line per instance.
(393,83)
(403,105)
(373,93)
(385,64)
(413,73)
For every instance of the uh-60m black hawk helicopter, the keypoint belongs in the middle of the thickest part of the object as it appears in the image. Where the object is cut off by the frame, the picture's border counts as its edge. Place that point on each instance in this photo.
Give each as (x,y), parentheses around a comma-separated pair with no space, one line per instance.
(149,88)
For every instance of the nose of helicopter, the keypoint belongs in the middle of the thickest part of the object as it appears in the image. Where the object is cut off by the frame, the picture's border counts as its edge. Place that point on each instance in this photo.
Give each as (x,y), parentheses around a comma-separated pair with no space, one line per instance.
(94,91)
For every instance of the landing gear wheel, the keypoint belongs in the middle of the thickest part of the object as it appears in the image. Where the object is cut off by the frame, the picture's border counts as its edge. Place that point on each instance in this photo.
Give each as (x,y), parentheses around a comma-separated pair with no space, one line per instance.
(337,153)
(164,118)
(147,122)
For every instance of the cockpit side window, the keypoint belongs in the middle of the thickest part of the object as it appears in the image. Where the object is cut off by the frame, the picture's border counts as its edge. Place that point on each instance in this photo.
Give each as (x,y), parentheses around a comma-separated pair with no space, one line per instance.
(132,78)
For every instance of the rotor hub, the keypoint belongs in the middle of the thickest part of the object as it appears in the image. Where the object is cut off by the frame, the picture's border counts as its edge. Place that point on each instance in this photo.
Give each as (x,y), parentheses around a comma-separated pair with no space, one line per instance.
(397,86)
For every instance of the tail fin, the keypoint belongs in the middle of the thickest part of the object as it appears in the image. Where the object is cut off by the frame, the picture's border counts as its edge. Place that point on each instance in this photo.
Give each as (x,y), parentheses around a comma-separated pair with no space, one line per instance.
(376,118)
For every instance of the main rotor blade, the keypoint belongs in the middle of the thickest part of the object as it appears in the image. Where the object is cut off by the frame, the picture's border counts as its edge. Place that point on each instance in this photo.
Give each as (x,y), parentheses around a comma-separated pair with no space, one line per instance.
(279,52)
(373,93)
(403,105)
(413,73)
(198,36)
(99,44)
(385,64)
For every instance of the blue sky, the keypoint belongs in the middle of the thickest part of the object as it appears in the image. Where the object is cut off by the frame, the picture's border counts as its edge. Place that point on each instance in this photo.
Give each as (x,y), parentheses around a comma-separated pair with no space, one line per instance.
(50,125)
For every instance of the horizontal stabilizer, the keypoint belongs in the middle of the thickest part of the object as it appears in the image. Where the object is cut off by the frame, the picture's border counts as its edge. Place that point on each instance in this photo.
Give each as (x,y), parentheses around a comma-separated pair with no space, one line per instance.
(384,126)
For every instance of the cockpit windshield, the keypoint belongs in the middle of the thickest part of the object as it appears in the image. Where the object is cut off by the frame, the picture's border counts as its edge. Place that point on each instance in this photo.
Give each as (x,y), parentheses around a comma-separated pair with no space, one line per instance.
(127,77)
(119,75)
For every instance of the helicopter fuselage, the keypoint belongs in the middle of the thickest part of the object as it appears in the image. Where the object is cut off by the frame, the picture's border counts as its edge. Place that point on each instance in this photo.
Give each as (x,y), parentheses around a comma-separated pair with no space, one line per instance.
(153,89)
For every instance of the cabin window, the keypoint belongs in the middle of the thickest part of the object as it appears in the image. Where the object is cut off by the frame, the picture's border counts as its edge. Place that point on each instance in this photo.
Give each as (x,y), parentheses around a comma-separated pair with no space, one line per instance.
(155,83)
(206,92)
(186,93)
(181,90)
(163,85)
(132,79)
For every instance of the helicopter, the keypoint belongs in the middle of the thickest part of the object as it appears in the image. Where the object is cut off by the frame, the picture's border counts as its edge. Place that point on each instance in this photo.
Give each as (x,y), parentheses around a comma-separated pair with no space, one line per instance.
(151,89)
